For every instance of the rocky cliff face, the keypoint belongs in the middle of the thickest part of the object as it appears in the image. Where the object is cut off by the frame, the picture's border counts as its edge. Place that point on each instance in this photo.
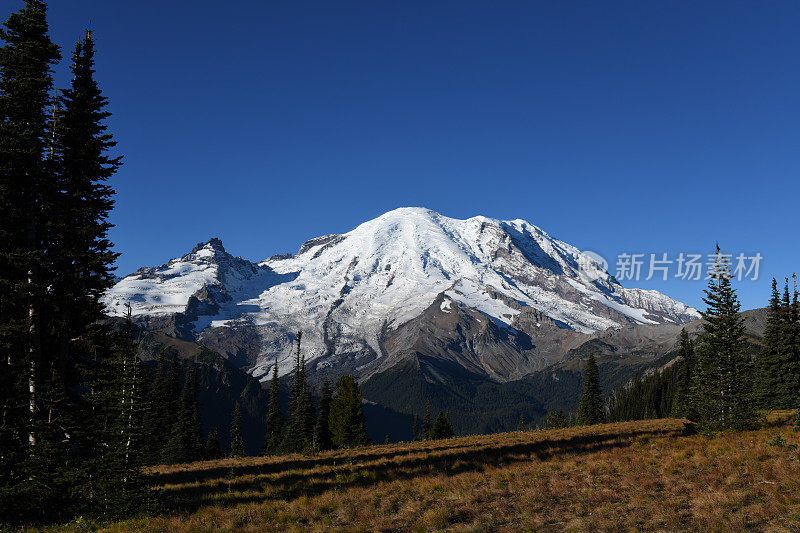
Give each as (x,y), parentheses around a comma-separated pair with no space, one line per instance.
(498,298)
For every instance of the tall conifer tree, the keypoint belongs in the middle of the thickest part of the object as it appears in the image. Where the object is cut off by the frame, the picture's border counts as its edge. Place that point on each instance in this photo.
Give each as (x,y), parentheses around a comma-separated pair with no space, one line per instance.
(322,431)
(590,410)
(769,373)
(27,188)
(185,441)
(80,223)
(274,436)
(300,426)
(721,386)
(427,421)
(685,369)
(237,440)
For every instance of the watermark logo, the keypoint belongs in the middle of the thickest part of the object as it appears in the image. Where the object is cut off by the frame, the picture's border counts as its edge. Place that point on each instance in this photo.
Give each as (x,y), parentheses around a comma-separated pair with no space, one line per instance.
(596,267)
(662,266)
(686,266)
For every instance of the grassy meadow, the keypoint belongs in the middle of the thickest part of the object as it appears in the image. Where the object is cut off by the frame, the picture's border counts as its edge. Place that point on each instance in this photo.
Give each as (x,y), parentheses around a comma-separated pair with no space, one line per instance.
(631,476)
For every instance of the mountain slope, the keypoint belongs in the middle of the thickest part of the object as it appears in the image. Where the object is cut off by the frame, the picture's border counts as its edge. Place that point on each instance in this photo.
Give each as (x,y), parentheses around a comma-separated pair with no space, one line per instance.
(352,294)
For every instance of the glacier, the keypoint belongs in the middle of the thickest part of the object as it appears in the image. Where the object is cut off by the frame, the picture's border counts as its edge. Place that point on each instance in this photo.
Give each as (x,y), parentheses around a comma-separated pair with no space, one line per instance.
(347,292)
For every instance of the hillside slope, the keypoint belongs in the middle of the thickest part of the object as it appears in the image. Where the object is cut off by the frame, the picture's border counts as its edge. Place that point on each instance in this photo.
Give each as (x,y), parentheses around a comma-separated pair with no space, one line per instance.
(647,475)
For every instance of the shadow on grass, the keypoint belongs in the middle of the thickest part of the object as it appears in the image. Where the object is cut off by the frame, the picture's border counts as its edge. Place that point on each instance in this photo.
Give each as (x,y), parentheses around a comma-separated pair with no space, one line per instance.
(288,480)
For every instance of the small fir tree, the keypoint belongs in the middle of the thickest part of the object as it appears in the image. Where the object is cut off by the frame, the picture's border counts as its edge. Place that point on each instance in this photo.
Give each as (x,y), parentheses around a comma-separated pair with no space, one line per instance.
(347,422)
(237,440)
(442,428)
(212,449)
(427,421)
(556,419)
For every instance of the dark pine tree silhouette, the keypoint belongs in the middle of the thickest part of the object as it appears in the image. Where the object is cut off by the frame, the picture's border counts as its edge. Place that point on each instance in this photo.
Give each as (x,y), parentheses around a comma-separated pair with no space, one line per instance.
(590,410)
(300,426)
(212,450)
(237,440)
(79,225)
(792,363)
(768,372)
(27,189)
(442,428)
(322,431)
(427,421)
(556,419)
(683,379)
(274,437)
(347,423)
(185,441)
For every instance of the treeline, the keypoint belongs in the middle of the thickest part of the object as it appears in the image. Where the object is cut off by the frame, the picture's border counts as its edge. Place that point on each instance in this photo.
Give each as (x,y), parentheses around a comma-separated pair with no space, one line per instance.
(337,421)
(70,388)
(714,380)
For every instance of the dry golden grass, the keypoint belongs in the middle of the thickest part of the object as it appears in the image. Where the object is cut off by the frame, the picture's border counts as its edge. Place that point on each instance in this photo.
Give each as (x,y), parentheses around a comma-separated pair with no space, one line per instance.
(633,476)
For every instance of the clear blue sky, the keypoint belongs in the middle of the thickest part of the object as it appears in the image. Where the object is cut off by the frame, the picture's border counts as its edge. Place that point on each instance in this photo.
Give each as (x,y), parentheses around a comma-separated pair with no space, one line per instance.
(615,126)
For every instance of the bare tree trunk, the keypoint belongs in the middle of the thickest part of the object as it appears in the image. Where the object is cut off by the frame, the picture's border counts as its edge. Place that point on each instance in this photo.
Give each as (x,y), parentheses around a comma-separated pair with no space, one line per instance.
(34,355)
(34,340)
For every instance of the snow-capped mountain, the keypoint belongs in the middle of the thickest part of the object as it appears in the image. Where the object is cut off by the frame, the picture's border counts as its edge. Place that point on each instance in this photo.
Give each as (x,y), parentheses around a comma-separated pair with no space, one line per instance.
(348,293)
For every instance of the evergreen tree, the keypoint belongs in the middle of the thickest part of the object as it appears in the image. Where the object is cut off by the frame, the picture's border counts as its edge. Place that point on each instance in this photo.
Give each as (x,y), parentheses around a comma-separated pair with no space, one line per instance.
(721,386)
(683,379)
(70,390)
(521,423)
(590,410)
(212,449)
(112,436)
(556,419)
(306,412)
(442,428)
(27,189)
(792,362)
(166,401)
(415,435)
(156,423)
(237,441)
(322,432)
(347,422)
(649,396)
(427,421)
(26,186)
(185,441)
(300,427)
(133,391)
(769,374)
(274,415)
(79,222)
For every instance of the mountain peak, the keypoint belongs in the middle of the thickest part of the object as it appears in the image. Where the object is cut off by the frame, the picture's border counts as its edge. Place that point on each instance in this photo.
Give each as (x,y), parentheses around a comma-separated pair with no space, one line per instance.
(348,291)
(209,248)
